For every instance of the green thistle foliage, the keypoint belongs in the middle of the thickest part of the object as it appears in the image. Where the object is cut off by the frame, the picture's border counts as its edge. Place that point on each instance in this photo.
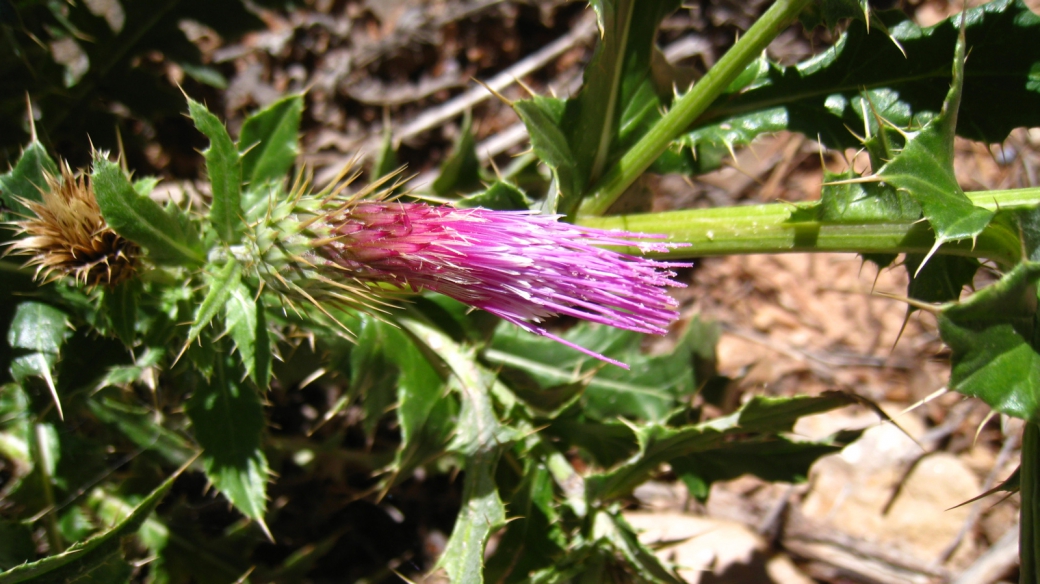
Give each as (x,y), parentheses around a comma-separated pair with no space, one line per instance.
(548,442)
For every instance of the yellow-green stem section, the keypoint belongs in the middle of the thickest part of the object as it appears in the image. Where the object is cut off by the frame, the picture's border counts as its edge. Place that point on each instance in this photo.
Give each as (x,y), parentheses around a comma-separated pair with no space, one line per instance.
(786,228)
(691,105)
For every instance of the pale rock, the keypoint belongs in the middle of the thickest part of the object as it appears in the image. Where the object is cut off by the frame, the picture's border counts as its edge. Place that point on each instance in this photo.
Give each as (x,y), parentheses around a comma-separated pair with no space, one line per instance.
(850,491)
(712,550)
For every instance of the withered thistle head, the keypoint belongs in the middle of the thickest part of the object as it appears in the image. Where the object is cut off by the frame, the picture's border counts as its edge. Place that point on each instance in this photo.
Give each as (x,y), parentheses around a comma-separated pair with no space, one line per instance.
(67,236)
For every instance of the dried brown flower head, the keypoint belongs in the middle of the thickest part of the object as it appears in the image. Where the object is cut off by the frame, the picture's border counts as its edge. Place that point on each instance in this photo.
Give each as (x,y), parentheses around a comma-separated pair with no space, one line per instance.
(68,235)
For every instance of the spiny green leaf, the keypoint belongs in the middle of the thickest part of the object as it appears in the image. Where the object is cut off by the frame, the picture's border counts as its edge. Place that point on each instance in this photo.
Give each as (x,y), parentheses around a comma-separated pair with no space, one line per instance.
(501,196)
(775,460)
(542,116)
(615,80)
(140,427)
(479,429)
(425,413)
(649,390)
(480,437)
(373,371)
(38,327)
(37,334)
(460,173)
(924,169)
(482,512)
(228,418)
(84,558)
(224,166)
(269,142)
(824,98)
(533,537)
(141,220)
(121,307)
(221,285)
(940,280)
(992,335)
(26,178)
(863,202)
(613,529)
(579,137)
(659,444)
(247,323)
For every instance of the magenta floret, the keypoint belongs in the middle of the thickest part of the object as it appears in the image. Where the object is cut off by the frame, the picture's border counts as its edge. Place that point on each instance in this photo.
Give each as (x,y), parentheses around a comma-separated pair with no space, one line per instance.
(519,265)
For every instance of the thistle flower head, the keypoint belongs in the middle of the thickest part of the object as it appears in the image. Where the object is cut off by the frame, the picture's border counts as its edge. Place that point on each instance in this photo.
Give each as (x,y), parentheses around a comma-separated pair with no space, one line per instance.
(67,236)
(518,265)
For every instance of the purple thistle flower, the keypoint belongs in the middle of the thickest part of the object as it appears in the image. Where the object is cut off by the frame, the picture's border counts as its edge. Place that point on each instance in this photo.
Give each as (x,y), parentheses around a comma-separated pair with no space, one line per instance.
(521,266)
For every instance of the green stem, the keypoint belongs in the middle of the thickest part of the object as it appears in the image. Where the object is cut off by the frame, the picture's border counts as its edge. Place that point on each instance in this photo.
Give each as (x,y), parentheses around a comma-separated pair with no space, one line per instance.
(786,227)
(687,108)
(42,456)
(1028,550)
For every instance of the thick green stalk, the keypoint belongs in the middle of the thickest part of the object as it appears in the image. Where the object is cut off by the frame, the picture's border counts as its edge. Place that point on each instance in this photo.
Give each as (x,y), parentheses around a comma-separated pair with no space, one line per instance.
(1028,544)
(785,227)
(687,108)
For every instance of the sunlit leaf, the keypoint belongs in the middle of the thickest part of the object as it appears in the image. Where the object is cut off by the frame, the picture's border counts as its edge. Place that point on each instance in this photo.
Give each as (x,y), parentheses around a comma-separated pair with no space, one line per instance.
(25,180)
(993,338)
(924,169)
(141,220)
(269,142)
(37,334)
(247,324)
(224,167)
(221,286)
(482,512)
(480,437)
(858,202)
